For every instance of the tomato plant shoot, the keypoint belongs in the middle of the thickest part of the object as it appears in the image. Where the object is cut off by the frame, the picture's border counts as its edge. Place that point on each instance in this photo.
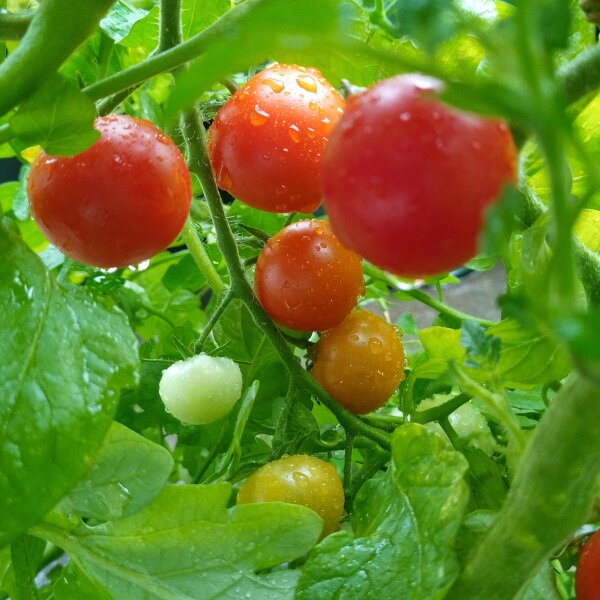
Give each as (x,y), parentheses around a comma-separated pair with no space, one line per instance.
(407,179)
(360,362)
(306,279)
(266,143)
(300,479)
(201,389)
(118,203)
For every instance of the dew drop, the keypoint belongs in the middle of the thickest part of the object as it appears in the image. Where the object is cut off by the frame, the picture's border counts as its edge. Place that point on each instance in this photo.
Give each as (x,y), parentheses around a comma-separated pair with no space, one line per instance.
(294,132)
(259,116)
(375,345)
(224,177)
(275,84)
(307,82)
(310,132)
(312,105)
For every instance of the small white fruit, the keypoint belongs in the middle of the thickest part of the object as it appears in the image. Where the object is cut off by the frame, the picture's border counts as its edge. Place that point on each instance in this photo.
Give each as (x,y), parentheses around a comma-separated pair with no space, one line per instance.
(201,389)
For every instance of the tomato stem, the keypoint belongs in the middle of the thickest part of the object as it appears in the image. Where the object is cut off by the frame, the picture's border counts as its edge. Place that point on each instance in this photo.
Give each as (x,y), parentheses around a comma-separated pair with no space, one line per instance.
(213,319)
(14,26)
(200,255)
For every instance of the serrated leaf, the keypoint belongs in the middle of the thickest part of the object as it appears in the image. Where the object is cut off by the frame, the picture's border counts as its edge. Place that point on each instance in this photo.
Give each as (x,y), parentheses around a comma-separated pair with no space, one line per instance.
(129,472)
(119,22)
(186,545)
(65,356)
(197,15)
(58,117)
(405,525)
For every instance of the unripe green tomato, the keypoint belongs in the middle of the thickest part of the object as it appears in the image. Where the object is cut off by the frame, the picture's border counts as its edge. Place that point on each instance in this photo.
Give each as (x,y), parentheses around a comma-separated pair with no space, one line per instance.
(300,479)
(201,389)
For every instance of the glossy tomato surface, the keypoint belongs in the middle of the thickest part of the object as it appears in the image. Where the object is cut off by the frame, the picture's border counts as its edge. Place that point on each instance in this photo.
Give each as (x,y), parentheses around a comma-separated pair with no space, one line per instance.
(306,279)
(119,202)
(587,576)
(407,179)
(299,479)
(360,362)
(266,143)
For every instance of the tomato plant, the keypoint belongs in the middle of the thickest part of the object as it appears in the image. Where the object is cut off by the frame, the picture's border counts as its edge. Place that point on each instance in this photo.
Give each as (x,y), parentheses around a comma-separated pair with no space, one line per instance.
(266,143)
(407,179)
(300,479)
(118,203)
(306,279)
(587,578)
(360,362)
(201,389)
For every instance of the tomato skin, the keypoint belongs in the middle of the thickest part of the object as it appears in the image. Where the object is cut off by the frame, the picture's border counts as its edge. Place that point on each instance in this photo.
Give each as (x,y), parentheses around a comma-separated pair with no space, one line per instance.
(360,362)
(201,389)
(587,576)
(407,179)
(265,143)
(299,479)
(120,202)
(306,279)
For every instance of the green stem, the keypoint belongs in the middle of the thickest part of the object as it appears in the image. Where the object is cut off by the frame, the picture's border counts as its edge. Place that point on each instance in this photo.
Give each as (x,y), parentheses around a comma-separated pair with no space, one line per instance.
(200,255)
(212,321)
(14,26)
(552,495)
(442,411)
(173,57)
(495,403)
(194,135)
(581,76)
(456,316)
(348,449)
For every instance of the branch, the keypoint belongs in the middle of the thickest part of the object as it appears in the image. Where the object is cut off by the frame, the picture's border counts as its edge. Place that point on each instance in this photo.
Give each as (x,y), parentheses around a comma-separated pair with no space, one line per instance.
(13,26)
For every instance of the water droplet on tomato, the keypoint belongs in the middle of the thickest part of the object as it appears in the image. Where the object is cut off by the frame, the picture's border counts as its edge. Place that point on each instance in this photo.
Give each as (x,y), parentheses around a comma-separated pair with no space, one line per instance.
(310,132)
(275,84)
(224,179)
(375,345)
(259,116)
(281,190)
(355,337)
(405,116)
(294,132)
(312,105)
(307,82)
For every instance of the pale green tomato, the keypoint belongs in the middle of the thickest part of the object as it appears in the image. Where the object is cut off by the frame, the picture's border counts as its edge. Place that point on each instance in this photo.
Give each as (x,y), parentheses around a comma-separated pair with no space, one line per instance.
(201,389)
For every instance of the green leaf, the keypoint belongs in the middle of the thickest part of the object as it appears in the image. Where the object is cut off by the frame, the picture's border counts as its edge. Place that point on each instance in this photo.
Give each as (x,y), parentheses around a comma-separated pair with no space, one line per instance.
(65,356)
(119,22)
(481,346)
(528,357)
(129,472)
(7,192)
(295,427)
(187,544)
(197,15)
(74,584)
(282,24)
(26,554)
(58,117)
(405,525)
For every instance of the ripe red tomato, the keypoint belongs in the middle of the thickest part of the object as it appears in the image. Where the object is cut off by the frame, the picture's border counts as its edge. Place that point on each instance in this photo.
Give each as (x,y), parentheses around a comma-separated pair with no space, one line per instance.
(360,362)
(266,142)
(587,577)
(306,279)
(119,202)
(407,179)
(300,479)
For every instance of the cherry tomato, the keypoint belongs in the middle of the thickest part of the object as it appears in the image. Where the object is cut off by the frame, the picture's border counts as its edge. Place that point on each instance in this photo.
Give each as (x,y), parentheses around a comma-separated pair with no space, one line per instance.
(266,142)
(300,479)
(360,362)
(587,577)
(306,279)
(407,179)
(201,389)
(119,202)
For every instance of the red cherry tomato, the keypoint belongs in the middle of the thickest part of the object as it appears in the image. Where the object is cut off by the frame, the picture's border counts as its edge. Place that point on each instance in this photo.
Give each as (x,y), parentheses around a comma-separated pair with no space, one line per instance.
(306,279)
(407,179)
(587,577)
(299,479)
(266,142)
(119,202)
(360,362)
